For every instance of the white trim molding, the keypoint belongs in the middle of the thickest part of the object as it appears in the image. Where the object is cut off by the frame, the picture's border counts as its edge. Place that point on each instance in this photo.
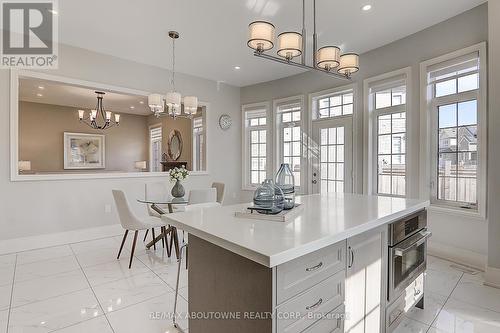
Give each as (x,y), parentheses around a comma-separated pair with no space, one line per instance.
(15,75)
(492,277)
(458,255)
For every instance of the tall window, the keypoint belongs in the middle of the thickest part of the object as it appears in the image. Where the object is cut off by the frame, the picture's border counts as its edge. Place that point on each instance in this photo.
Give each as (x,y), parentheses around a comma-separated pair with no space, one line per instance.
(456,106)
(198,144)
(387,108)
(289,135)
(255,159)
(155,139)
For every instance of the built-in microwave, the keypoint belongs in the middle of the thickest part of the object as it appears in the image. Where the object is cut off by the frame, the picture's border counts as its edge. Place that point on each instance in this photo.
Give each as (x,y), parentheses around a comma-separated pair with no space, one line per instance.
(407,252)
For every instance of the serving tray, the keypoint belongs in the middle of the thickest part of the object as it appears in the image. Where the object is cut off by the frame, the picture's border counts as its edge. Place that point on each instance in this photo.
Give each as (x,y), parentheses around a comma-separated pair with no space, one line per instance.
(283,216)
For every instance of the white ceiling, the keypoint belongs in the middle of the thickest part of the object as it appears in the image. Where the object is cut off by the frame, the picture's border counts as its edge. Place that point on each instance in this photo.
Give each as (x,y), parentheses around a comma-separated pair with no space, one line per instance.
(85,98)
(214,32)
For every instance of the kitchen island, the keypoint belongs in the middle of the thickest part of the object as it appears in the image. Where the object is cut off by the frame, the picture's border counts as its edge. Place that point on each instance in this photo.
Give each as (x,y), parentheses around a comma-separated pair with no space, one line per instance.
(248,275)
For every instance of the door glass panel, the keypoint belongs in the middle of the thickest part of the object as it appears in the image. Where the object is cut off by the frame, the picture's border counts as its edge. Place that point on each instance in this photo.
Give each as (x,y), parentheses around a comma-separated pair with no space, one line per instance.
(332,159)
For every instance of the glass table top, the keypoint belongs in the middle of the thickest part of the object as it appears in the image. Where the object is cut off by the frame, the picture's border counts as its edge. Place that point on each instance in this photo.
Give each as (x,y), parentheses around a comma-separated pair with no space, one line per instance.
(164,201)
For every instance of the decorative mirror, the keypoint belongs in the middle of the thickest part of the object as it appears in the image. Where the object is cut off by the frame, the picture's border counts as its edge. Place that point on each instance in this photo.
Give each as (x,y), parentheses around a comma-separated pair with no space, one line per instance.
(174,145)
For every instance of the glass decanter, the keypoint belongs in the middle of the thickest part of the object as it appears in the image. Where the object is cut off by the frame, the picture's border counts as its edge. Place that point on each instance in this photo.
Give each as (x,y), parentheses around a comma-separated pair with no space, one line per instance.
(286,182)
(269,197)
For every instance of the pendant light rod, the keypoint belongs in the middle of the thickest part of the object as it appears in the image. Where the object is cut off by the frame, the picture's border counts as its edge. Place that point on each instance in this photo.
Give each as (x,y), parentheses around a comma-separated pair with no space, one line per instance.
(315,37)
(303,56)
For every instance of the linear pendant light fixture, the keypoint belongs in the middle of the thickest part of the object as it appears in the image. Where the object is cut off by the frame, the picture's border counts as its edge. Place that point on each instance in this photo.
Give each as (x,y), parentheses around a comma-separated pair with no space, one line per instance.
(172,101)
(327,59)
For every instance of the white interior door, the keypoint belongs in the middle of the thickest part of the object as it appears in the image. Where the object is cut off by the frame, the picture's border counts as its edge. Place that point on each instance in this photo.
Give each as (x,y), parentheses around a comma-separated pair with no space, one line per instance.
(332,155)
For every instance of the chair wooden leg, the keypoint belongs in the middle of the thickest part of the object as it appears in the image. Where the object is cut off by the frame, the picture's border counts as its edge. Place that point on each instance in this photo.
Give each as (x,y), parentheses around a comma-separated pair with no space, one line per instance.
(171,245)
(133,249)
(145,235)
(165,239)
(175,236)
(153,232)
(123,242)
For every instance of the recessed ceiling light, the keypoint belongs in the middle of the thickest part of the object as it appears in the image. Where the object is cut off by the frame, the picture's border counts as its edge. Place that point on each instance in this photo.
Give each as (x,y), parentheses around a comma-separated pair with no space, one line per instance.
(141,102)
(39,95)
(41,87)
(366,7)
(132,107)
(237,67)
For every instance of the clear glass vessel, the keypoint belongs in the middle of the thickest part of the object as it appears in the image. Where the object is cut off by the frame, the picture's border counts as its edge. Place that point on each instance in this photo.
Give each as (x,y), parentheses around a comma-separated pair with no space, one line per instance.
(269,197)
(286,182)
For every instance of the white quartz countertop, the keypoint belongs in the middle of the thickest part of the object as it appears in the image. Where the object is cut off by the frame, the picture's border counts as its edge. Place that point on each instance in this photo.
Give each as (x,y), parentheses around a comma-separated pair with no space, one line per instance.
(326,219)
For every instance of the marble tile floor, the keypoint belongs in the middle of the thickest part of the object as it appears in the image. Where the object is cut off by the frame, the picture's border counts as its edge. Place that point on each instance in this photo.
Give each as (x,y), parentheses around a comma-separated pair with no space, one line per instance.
(81,287)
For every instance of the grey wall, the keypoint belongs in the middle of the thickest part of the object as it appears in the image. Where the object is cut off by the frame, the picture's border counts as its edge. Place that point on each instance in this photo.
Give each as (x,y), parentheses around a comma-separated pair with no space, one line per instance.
(494,135)
(458,32)
(43,207)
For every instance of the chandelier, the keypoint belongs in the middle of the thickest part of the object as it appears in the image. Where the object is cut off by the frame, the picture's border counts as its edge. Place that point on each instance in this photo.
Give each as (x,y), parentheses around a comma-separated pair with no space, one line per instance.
(327,59)
(171,103)
(99,118)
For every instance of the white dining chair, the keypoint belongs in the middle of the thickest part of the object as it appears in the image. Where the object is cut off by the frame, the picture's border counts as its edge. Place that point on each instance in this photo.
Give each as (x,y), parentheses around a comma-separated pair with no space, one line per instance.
(220,188)
(130,221)
(198,196)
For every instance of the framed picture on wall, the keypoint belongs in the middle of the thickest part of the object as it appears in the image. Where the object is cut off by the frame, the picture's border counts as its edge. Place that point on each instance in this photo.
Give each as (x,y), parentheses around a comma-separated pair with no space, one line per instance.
(84,151)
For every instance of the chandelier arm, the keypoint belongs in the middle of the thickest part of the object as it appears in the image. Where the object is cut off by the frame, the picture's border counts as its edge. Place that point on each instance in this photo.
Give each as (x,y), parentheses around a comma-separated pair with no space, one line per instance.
(284,61)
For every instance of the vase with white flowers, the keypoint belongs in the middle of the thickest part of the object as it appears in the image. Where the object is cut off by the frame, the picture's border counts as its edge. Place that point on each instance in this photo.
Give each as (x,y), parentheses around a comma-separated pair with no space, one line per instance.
(176,175)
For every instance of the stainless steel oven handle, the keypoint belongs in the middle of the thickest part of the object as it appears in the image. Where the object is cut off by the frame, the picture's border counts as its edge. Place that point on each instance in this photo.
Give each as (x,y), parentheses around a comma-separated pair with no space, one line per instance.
(398,251)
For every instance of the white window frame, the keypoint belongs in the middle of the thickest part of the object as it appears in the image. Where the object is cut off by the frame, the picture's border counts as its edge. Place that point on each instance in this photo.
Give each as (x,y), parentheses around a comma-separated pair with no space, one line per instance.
(245,179)
(386,80)
(312,117)
(428,125)
(371,129)
(278,137)
(200,133)
(152,127)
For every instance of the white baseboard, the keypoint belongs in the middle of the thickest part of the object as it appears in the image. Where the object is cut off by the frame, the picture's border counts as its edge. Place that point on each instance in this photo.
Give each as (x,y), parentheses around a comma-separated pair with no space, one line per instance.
(458,255)
(492,277)
(60,238)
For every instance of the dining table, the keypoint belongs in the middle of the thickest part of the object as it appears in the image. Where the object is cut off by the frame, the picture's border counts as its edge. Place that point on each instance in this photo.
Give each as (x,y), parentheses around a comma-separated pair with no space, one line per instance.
(158,205)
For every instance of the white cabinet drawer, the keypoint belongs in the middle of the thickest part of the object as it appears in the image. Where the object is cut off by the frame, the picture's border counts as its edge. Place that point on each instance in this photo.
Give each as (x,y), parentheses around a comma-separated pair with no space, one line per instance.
(395,314)
(302,273)
(300,312)
(332,323)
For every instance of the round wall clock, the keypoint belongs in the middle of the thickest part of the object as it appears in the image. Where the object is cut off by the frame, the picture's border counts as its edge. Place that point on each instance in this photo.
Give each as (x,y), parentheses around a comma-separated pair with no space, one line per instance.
(225,121)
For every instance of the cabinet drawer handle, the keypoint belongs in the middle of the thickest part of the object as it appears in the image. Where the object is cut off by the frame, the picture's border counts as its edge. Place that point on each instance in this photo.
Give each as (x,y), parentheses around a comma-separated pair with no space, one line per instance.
(315,305)
(310,269)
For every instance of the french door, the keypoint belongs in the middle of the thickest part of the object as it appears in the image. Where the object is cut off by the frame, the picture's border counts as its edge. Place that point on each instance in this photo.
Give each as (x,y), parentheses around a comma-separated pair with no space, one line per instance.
(332,155)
